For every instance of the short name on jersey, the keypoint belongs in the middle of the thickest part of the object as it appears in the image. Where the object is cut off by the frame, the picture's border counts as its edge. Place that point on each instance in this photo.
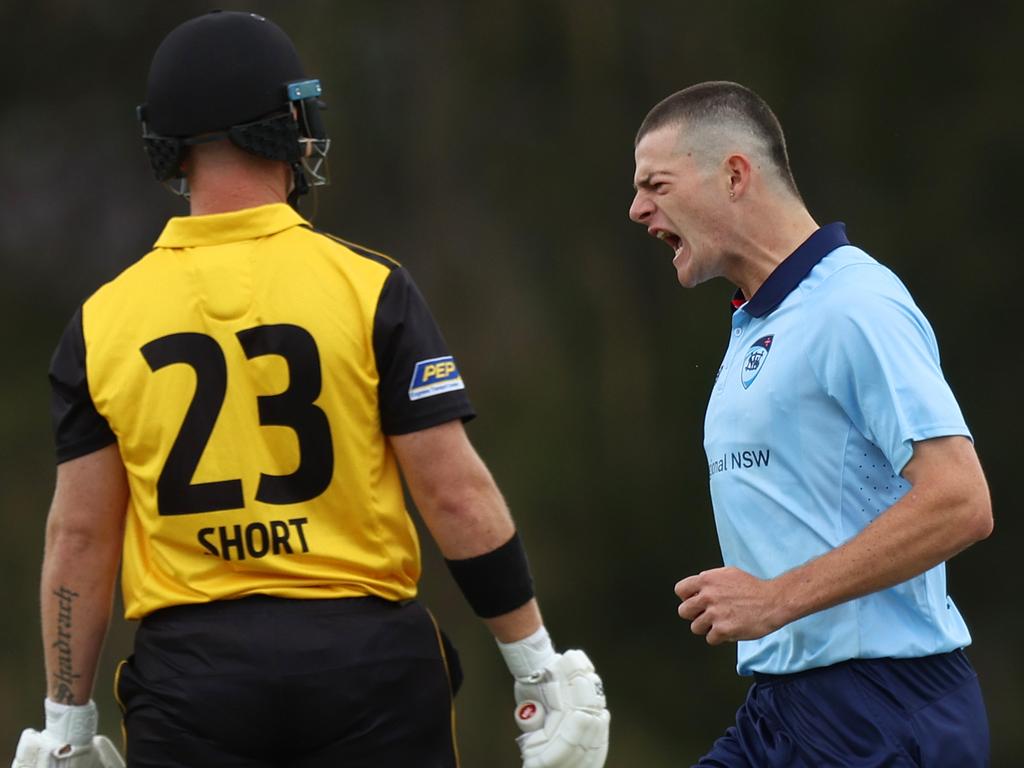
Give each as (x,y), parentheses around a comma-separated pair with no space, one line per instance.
(434,377)
(255,540)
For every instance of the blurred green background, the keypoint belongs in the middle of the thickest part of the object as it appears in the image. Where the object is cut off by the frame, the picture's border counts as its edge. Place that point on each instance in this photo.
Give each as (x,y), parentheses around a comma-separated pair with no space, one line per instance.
(488,146)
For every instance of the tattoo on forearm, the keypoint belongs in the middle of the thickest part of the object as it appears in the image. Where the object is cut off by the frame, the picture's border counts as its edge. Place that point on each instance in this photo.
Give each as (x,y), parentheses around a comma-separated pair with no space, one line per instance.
(65,676)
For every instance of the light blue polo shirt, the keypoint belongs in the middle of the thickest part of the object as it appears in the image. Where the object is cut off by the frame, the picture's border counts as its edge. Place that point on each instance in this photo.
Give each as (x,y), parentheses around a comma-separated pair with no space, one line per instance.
(831,373)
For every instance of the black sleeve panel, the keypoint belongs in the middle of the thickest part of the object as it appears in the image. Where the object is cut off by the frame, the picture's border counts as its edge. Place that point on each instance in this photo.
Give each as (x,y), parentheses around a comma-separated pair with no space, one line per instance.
(78,427)
(420,384)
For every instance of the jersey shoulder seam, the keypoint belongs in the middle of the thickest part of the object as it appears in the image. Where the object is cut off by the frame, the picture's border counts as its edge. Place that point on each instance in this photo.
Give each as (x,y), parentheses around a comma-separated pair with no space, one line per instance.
(834,281)
(361,250)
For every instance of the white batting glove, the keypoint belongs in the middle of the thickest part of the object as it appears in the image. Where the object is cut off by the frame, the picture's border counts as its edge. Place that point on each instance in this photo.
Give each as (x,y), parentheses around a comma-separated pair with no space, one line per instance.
(68,741)
(560,705)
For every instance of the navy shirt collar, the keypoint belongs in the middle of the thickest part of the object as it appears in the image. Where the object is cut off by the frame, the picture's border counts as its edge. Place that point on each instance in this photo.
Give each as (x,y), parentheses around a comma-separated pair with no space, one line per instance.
(793,270)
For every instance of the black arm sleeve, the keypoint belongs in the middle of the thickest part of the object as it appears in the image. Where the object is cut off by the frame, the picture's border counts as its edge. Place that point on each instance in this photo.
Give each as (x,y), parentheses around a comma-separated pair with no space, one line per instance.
(78,427)
(420,384)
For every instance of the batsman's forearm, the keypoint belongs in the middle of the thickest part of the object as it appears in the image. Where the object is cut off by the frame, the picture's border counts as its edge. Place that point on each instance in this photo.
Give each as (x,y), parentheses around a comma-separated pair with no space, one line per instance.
(517,624)
(76,604)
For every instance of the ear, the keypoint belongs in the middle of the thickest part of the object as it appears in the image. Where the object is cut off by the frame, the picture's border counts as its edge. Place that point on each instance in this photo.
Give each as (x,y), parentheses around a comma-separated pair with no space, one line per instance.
(738,171)
(186,161)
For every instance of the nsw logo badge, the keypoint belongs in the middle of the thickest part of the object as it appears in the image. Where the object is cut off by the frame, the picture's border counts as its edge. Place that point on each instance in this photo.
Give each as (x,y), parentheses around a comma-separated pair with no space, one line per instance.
(754,360)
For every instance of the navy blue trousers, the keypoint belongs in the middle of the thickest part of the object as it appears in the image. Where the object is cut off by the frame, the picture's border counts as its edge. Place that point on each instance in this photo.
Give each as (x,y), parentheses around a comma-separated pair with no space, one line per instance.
(864,713)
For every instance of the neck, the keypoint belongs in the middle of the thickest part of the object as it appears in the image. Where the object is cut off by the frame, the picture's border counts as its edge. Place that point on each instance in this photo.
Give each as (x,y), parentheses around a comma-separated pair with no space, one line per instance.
(775,235)
(222,178)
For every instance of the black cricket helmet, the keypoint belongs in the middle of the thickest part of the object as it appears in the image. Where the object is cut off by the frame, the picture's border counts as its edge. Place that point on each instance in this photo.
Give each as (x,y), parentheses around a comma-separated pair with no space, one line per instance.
(233,75)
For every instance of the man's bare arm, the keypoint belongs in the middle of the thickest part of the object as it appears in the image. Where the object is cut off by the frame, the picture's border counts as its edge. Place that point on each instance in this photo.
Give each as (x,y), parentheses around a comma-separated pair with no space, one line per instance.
(946,510)
(84,536)
(461,506)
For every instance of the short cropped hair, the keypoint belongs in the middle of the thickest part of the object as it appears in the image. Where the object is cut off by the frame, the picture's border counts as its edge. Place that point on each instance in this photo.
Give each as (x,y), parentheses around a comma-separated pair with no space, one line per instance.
(718,106)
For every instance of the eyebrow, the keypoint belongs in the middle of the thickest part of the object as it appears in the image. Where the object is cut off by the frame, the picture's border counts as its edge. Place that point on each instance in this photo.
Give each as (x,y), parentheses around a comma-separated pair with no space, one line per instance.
(646,182)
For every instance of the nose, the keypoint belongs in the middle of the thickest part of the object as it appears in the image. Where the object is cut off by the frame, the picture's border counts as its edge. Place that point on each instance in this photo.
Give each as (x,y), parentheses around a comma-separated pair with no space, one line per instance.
(641,209)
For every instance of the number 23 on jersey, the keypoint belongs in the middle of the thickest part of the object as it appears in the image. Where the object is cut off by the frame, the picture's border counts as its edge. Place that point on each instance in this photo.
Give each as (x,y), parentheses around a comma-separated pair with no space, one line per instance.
(294,408)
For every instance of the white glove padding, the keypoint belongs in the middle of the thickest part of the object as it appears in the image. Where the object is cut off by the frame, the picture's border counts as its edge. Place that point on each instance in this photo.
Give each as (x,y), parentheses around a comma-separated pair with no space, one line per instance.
(569,696)
(40,750)
(68,741)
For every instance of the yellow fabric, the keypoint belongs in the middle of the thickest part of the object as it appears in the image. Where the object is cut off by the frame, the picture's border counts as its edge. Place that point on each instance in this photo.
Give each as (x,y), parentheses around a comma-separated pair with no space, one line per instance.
(216,276)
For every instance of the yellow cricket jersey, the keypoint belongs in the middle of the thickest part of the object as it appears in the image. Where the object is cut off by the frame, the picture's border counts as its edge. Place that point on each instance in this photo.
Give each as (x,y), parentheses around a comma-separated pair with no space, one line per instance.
(249,369)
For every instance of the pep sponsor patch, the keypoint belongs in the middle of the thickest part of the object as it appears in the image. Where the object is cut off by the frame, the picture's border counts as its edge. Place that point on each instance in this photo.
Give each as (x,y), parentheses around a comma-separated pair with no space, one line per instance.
(434,377)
